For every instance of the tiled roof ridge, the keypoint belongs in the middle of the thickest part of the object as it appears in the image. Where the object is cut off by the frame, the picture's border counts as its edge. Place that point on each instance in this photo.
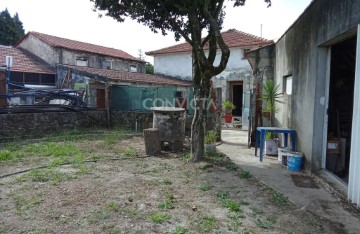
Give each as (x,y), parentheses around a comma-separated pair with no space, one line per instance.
(67,39)
(249,34)
(42,36)
(241,39)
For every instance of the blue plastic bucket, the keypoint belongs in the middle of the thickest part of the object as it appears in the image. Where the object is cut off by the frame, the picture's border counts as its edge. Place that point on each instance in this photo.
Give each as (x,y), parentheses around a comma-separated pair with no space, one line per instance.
(294,161)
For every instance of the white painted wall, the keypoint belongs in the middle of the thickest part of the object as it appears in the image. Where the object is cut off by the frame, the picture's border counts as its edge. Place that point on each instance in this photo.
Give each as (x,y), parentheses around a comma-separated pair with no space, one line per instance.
(175,65)
(179,64)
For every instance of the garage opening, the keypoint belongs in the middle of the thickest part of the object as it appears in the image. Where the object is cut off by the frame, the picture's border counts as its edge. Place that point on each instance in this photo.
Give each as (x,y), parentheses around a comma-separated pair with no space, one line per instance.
(340,109)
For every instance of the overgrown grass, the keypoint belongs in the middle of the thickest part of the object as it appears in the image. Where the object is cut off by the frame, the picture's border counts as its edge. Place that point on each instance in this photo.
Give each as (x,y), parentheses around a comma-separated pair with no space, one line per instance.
(205,187)
(52,149)
(159,217)
(186,155)
(267,223)
(244,174)
(130,211)
(166,181)
(180,230)
(236,221)
(60,143)
(256,211)
(23,204)
(101,215)
(45,175)
(233,205)
(113,207)
(231,166)
(168,204)
(130,152)
(230,204)
(207,224)
(279,199)
(5,155)
(223,195)
(203,165)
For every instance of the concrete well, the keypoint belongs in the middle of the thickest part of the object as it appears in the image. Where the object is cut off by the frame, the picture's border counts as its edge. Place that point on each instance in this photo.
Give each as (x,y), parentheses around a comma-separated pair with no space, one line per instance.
(171,125)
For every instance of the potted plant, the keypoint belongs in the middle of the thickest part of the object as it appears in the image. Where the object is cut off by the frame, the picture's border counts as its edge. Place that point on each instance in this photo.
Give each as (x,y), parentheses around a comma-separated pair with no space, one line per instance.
(228,106)
(271,96)
(210,140)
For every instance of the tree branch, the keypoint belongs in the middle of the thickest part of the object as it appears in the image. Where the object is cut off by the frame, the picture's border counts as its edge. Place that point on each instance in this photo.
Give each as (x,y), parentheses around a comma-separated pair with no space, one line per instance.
(225,52)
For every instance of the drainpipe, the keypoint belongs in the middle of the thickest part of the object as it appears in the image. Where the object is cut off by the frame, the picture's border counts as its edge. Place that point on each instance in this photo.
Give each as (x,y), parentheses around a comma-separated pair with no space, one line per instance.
(9,62)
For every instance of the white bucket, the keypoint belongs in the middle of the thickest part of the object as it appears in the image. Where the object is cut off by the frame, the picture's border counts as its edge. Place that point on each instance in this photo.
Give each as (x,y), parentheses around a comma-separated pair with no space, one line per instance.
(283,152)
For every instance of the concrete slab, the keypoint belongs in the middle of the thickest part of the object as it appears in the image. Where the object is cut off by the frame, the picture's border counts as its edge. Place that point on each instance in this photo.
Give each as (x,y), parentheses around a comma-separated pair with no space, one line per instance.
(270,172)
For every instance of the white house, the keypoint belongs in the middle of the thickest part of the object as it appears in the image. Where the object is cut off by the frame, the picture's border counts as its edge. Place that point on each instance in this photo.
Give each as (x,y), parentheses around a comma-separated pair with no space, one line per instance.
(234,81)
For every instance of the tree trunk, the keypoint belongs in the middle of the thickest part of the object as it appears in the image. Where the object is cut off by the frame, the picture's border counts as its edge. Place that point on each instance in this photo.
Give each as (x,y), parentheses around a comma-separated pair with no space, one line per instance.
(198,129)
(201,92)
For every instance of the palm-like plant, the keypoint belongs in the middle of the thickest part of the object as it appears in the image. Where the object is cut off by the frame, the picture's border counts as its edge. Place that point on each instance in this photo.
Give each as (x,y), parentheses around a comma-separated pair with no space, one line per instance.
(270,96)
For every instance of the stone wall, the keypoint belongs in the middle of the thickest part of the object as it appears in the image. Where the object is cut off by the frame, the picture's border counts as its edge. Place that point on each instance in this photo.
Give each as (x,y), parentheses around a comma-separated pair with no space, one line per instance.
(132,119)
(140,120)
(35,124)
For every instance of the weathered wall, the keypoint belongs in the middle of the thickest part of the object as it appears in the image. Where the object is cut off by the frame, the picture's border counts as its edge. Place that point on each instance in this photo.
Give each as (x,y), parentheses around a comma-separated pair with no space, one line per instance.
(54,56)
(20,124)
(40,49)
(302,53)
(262,63)
(179,64)
(37,123)
(95,60)
(174,65)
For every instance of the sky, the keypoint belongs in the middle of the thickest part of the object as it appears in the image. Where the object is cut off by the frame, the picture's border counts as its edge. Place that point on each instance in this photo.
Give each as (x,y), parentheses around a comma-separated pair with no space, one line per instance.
(74,19)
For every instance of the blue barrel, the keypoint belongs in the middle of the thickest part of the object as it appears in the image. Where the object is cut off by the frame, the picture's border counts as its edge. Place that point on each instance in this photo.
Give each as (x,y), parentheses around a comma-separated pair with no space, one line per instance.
(294,162)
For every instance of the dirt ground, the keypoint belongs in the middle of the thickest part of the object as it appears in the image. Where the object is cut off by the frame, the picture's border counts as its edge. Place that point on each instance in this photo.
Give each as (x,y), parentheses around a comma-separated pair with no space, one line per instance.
(105,184)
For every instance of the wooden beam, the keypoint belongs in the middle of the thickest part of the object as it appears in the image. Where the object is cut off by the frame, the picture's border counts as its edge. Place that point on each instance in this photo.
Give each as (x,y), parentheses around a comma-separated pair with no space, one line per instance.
(107,104)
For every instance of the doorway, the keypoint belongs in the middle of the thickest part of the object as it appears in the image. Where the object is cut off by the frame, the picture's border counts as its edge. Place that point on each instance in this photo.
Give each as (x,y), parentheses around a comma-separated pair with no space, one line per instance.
(237,98)
(100,98)
(340,107)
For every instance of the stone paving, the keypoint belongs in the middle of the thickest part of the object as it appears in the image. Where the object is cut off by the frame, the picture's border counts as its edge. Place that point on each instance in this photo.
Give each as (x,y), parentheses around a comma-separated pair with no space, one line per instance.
(270,172)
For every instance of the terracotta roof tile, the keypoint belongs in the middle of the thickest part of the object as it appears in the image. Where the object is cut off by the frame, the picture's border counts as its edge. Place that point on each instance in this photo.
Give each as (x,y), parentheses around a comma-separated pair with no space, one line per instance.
(81,46)
(232,37)
(131,77)
(23,61)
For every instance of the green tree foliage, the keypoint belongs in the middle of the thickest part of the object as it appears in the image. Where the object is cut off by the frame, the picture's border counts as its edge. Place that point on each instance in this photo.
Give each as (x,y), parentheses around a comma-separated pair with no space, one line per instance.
(149,68)
(199,22)
(11,28)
